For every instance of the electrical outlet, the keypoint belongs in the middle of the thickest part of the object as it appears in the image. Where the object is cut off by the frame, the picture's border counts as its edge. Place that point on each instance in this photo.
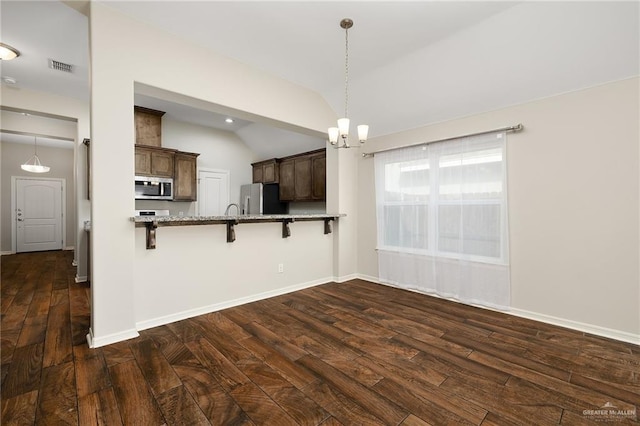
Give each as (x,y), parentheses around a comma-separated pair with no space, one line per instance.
(280,268)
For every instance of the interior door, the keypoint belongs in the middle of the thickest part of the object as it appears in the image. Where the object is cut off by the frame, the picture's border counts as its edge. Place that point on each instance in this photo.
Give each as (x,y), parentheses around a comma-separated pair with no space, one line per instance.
(213,192)
(38,215)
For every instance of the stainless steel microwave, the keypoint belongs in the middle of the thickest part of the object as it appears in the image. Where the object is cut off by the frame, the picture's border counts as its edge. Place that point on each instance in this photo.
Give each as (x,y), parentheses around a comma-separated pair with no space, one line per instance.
(153,188)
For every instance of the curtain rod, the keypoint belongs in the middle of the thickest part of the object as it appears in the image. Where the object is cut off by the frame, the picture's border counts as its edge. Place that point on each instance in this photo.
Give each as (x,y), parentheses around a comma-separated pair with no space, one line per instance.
(516,128)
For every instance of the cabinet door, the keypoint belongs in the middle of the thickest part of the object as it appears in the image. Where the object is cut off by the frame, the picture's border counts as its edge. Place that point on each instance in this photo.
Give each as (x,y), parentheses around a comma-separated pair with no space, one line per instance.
(319,176)
(162,163)
(269,174)
(302,178)
(184,183)
(143,161)
(257,174)
(148,126)
(287,180)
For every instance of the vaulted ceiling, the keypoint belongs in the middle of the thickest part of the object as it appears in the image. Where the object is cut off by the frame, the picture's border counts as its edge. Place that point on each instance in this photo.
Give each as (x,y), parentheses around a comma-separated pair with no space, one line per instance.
(410,63)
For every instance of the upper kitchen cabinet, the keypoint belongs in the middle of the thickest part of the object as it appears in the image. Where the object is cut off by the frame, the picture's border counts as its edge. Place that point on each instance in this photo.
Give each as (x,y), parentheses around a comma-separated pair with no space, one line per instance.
(184,179)
(303,177)
(267,171)
(153,161)
(319,176)
(148,126)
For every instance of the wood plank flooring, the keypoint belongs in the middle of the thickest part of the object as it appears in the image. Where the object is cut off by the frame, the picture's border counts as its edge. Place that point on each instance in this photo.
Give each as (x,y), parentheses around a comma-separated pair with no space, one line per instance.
(336,354)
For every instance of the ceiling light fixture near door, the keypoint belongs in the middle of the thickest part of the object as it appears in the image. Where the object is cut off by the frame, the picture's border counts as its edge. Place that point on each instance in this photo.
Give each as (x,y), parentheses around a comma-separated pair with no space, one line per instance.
(7,52)
(342,131)
(33,164)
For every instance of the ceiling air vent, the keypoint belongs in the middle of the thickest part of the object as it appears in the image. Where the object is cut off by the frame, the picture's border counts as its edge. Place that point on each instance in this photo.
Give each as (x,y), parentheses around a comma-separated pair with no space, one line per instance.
(60,66)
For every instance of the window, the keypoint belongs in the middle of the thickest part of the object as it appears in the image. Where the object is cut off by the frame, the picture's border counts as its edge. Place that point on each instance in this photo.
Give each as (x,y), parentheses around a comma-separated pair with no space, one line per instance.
(445,199)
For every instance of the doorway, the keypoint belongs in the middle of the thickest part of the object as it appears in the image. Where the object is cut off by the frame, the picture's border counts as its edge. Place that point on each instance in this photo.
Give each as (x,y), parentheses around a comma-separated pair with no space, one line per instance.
(213,192)
(38,209)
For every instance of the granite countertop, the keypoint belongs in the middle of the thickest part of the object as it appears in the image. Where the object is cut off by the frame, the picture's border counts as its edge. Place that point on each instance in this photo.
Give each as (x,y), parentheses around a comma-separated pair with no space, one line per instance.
(238,218)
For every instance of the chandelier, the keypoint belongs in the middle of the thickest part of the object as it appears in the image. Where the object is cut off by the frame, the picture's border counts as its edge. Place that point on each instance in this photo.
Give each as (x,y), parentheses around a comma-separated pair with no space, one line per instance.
(342,131)
(33,164)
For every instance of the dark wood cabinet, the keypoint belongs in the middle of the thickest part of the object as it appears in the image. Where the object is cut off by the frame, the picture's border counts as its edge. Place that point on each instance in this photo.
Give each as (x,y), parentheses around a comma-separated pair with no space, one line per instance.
(303,177)
(287,180)
(267,171)
(184,178)
(319,176)
(154,161)
(148,126)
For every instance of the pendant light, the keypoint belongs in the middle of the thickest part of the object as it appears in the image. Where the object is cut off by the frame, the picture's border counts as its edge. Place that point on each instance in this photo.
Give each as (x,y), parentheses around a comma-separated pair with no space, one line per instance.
(342,131)
(33,164)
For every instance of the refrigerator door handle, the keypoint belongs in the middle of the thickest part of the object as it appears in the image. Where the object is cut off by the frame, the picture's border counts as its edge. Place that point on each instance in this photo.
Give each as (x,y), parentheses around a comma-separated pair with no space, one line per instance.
(245,207)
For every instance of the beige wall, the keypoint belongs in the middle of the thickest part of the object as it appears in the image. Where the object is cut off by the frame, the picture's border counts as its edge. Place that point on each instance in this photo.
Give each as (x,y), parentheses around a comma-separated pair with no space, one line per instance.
(202,75)
(573,205)
(61,162)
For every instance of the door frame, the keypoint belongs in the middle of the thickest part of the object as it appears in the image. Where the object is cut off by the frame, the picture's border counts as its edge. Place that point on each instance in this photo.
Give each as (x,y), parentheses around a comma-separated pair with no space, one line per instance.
(208,170)
(63,219)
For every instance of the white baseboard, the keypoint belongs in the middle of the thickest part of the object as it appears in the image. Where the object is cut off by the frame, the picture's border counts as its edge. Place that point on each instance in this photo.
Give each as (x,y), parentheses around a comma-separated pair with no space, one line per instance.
(345,278)
(110,338)
(368,278)
(579,326)
(81,279)
(179,316)
(69,248)
(6,253)
(561,322)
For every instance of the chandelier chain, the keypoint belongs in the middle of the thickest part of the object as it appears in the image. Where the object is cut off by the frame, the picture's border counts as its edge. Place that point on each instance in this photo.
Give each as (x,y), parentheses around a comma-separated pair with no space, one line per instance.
(346,73)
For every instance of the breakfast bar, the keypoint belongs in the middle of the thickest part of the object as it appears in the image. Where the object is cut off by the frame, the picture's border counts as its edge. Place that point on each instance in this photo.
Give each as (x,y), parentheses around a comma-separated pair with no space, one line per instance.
(151,223)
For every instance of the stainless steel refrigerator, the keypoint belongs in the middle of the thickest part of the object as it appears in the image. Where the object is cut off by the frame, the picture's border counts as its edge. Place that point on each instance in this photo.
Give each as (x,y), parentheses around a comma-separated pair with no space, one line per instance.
(258,198)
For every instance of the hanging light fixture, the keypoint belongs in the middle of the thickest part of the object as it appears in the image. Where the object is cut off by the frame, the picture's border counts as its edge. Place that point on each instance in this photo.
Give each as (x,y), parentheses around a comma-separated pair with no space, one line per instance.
(33,164)
(342,131)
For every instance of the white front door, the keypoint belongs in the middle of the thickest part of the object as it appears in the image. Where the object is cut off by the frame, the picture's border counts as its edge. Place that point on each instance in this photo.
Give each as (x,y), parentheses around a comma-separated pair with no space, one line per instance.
(38,214)
(213,192)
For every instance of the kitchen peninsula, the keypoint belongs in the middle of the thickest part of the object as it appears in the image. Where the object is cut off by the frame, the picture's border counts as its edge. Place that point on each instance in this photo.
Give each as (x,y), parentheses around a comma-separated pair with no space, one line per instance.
(151,223)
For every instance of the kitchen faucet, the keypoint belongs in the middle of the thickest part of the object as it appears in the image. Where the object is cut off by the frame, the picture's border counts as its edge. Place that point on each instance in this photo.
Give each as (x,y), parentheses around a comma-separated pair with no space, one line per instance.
(226,212)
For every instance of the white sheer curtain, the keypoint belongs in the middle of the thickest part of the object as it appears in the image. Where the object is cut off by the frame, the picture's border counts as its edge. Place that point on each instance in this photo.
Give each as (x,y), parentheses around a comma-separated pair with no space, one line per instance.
(442,219)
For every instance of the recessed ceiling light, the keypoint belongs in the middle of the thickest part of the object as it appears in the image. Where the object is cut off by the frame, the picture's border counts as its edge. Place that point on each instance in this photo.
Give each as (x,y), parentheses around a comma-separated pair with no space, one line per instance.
(228,120)
(7,52)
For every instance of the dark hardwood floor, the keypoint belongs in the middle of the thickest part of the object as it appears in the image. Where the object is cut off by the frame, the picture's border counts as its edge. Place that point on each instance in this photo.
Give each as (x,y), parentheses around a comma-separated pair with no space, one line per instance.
(336,354)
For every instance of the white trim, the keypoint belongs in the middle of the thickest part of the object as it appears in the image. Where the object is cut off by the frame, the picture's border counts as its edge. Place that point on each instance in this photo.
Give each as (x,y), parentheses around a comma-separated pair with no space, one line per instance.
(368,278)
(69,248)
(167,319)
(547,319)
(110,338)
(579,326)
(63,219)
(7,252)
(81,279)
(346,278)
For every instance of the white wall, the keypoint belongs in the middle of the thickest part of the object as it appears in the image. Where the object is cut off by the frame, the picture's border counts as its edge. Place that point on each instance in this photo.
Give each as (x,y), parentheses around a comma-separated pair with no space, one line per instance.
(202,75)
(194,270)
(61,162)
(573,205)
(218,150)
(73,109)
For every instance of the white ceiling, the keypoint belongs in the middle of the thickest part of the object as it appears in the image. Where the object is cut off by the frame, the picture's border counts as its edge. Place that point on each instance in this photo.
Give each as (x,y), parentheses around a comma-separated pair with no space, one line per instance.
(410,63)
